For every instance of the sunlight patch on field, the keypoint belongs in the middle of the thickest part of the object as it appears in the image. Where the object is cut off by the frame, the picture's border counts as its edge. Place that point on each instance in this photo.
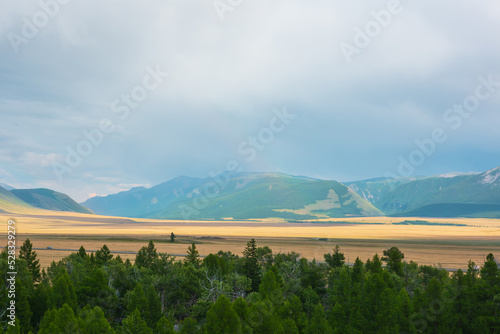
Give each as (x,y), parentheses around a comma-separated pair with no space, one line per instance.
(363,237)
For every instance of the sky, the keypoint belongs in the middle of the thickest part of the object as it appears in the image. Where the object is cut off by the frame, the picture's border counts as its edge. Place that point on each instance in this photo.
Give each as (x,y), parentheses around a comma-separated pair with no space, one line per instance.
(99,97)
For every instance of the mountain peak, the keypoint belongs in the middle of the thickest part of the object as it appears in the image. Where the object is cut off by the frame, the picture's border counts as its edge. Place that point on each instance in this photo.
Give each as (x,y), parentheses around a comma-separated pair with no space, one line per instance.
(6,186)
(490,176)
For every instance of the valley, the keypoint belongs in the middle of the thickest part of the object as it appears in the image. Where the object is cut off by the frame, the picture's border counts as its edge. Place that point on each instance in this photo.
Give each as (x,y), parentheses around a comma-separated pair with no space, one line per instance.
(425,241)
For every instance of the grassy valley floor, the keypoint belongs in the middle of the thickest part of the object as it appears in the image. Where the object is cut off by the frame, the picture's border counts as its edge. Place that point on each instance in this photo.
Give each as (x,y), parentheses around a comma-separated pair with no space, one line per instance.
(452,242)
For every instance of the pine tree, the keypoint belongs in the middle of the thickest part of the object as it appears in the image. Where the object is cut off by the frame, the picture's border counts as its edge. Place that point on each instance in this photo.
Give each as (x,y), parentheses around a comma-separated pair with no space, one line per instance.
(318,323)
(251,266)
(61,320)
(146,256)
(141,259)
(289,327)
(39,302)
(262,316)
(192,256)
(172,237)
(137,300)
(93,321)
(82,253)
(189,326)
(164,326)
(394,259)
(342,292)
(293,309)
(270,289)
(103,255)
(377,305)
(135,324)
(27,253)
(153,312)
(16,329)
(357,271)
(23,309)
(375,265)
(151,251)
(490,272)
(222,319)
(94,289)
(404,312)
(63,291)
(337,259)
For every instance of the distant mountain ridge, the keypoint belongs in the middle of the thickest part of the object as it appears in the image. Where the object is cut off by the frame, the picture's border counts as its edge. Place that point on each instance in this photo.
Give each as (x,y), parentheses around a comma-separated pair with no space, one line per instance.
(49,200)
(445,195)
(31,200)
(11,203)
(239,196)
(267,195)
(6,186)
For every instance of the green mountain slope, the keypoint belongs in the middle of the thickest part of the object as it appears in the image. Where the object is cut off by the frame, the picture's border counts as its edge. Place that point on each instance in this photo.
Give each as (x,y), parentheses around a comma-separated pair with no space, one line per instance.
(142,202)
(461,195)
(240,196)
(265,195)
(11,203)
(49,200)
(376,189)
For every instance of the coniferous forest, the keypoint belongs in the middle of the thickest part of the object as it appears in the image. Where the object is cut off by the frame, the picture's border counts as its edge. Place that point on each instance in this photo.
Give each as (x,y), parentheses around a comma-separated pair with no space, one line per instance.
(259,292)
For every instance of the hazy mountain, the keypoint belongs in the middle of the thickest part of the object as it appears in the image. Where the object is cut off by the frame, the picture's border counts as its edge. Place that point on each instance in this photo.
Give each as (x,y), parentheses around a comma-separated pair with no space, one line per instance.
(237,195)
(447,195)
(6,186)
(265,195)
(142,202)
(49,200)
(11,203)
(375,189)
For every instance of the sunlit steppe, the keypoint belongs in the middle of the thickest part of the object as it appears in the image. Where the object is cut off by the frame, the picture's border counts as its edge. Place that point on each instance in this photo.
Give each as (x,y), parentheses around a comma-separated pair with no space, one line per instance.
(456,240)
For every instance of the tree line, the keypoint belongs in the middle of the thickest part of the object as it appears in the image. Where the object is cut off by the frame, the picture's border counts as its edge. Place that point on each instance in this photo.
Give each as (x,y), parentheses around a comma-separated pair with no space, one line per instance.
(259,292)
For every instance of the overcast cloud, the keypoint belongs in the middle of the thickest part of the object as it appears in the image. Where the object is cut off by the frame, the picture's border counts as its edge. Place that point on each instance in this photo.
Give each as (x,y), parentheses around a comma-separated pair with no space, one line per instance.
(227,78)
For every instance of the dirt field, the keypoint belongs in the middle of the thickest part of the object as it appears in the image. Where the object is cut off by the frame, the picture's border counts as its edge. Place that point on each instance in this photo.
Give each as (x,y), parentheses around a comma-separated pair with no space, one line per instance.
(451,246)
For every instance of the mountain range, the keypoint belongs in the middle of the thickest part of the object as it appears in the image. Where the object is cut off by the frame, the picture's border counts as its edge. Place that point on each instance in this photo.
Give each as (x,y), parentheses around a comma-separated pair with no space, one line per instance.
(238,196)
(27,200)
(265,195)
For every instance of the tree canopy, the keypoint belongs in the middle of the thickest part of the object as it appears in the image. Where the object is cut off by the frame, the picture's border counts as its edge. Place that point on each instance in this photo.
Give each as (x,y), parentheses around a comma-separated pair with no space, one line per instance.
(259,292)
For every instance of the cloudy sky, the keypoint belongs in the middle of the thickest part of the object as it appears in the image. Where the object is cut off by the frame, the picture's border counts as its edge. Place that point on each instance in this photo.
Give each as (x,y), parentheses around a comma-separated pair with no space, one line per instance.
(355,87)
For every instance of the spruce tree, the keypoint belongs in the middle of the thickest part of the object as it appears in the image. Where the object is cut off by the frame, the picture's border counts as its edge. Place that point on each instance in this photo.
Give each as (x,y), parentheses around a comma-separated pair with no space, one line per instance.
(153,312)
(93,321)
(164,326)
(192,256)
(222,319)
(318,323)
(103,255)
(27,253)
(270,289)
(335,260)
(189,326)
(61,320)
(146,256)
(82,253)
(135,324)
(251,265)
(63,291)
(394,259)
(23,309)
(137,300)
